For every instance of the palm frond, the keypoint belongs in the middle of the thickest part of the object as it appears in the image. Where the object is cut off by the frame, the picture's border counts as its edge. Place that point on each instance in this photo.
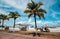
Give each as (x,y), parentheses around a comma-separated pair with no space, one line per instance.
(40,15)
(3,17)
(17,13)
(30,15)
(42,10)
(33,2)
(13,15)
(31,5)
(27,11)
(35,8)
(38,5)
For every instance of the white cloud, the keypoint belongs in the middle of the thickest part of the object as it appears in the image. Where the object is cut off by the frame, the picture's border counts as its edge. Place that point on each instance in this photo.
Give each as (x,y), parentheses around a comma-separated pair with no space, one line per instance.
(12,3)
(29,20)
(7,6)
(42,23)
(3,12)
(19,4)
(20,22)
(47,23)
(54,13)
(47,4)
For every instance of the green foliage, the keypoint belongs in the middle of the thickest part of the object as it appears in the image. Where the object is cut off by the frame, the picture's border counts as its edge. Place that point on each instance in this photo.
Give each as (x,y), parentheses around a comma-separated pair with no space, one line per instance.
(34,8)
(13,15)
(3,17)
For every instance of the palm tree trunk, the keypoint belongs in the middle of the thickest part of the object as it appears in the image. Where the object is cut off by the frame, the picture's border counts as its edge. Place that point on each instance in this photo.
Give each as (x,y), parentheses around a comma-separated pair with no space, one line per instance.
(35,22)
(2,23)
(14,23)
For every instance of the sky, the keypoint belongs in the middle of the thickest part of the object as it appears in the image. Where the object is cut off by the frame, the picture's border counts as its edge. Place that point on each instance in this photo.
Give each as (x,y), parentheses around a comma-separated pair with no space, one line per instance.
(52,18)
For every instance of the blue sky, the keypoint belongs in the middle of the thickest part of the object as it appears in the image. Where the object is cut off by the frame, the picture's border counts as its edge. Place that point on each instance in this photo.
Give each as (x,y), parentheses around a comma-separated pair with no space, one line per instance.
(51,6)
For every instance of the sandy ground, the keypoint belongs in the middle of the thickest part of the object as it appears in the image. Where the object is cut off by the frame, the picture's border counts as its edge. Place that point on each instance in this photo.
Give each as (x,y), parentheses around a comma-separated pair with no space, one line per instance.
(51,30)
(17,29)
(54,29)
(4,35)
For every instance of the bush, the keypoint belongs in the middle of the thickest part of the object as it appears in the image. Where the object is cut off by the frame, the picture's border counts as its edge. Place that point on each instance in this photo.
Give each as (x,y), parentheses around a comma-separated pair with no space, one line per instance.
(38,34)
(46,29)
(6,28)
(34,34)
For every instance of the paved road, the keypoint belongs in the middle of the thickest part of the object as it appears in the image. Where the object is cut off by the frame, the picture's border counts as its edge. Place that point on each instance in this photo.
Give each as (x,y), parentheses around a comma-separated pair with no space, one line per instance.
(4,35)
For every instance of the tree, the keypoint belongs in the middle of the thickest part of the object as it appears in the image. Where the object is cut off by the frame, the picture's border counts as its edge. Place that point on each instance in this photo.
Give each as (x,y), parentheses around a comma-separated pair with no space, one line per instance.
(34,9)
(3,17)
(14,15)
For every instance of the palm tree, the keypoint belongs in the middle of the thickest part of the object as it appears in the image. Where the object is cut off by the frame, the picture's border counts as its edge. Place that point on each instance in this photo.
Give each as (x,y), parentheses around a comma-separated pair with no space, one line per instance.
(14,15)
(0,21)
(3,17)
(34,9)
(0,18)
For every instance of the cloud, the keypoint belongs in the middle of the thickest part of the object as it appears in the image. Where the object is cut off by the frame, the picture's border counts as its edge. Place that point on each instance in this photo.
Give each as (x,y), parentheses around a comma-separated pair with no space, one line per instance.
(22,22)
(2,5)
(3,12)
(12,3)
(47,23)
(47,4)
(19,4)
(54,13)
(5,7)
(29,20)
